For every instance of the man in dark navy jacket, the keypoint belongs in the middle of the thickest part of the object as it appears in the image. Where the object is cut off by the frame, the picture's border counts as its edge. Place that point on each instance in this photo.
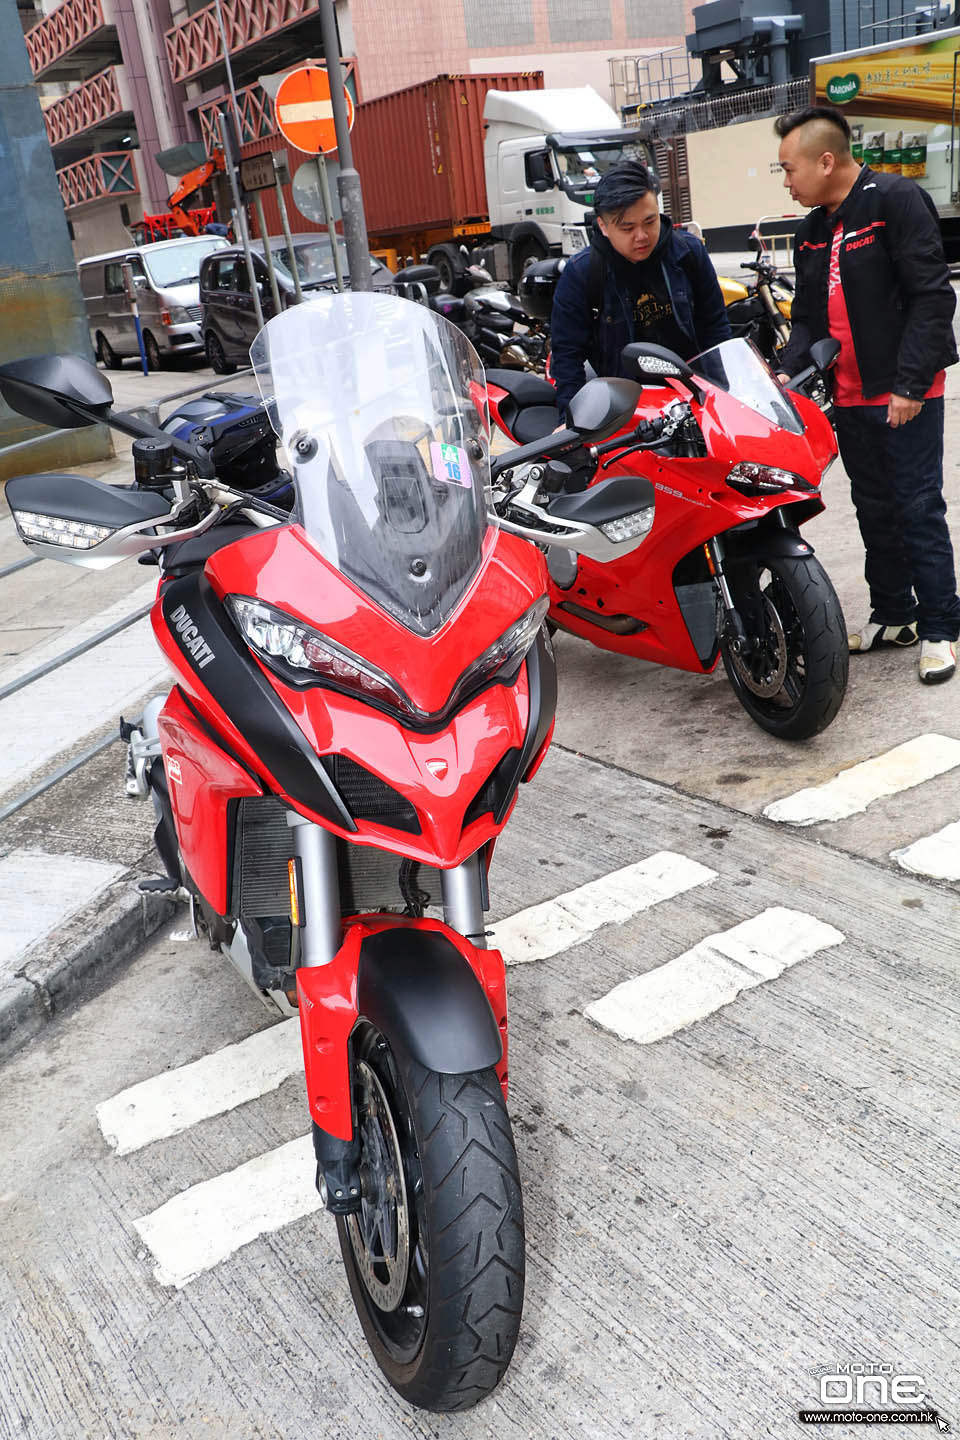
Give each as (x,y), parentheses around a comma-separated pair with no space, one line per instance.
(870,271)
(639,279)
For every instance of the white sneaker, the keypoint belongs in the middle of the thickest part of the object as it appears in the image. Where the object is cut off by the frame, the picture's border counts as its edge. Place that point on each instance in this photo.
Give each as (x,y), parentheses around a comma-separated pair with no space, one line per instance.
(938,661)
(878,637)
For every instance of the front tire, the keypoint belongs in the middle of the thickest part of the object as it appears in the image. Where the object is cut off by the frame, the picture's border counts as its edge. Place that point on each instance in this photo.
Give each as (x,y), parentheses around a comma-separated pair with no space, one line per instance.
(435,1258)
(793,680)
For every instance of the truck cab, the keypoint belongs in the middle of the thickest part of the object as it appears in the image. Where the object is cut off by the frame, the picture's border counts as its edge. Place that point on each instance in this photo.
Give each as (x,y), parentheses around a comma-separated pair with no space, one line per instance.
(544,151)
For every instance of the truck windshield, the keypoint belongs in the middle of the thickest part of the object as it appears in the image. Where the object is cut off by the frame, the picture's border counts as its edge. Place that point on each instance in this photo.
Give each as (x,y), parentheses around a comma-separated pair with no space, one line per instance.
(581,168)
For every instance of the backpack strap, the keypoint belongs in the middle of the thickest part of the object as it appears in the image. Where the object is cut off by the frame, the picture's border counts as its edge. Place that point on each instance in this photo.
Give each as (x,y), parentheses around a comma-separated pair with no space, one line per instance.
(595,278)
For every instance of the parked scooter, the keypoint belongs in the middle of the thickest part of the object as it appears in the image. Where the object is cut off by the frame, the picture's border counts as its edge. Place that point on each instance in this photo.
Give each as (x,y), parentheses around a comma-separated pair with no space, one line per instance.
(361,685)
(486,313)
(737,463)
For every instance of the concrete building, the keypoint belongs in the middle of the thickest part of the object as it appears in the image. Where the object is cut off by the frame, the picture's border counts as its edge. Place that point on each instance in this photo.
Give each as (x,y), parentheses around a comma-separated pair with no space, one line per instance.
(121,80)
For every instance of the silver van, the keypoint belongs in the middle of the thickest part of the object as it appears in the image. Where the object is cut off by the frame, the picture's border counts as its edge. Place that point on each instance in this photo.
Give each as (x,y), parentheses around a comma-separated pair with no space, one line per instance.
(166,275)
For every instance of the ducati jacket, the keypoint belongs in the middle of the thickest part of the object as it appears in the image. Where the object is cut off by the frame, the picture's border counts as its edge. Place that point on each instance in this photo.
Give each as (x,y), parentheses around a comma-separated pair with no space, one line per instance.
(895,283)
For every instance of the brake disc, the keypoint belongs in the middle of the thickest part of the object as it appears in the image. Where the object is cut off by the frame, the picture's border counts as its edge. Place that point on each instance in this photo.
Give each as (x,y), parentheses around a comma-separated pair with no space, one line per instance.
(763,673)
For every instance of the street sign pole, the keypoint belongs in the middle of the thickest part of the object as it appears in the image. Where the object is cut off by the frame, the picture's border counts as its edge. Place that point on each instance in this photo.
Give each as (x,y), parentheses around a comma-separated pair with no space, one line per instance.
(229,161)
(267,254)
(348,181)
(279,171)
(331,225)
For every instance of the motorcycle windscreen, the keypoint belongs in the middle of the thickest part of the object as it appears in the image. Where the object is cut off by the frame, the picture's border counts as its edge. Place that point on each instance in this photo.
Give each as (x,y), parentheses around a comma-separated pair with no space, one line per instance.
(738,367)
(381,406)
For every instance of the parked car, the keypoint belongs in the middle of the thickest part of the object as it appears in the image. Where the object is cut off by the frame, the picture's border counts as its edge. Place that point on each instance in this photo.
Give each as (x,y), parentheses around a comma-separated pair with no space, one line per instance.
(167,276)
(229,317)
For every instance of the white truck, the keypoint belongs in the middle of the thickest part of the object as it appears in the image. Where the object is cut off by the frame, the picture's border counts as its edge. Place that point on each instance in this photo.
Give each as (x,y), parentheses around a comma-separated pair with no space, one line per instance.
(485,162)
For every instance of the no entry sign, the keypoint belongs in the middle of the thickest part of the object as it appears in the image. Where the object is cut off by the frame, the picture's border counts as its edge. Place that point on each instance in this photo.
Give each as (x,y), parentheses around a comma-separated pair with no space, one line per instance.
(305,110)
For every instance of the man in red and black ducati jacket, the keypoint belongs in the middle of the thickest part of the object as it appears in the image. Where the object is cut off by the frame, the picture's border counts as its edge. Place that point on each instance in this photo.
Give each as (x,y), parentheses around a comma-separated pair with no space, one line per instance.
(870,271)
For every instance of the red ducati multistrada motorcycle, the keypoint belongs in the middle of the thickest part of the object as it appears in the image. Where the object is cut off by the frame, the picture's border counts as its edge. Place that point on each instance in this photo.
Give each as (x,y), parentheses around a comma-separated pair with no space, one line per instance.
(362,683)
(736,461)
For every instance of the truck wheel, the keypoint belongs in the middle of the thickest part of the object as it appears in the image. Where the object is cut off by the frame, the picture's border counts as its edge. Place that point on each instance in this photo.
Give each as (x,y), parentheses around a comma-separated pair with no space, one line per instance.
(447,262)
(526,253)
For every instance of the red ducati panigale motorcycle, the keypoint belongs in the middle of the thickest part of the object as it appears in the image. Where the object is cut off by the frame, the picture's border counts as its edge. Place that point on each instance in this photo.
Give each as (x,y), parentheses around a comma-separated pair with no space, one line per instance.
(362,683)
(736,461)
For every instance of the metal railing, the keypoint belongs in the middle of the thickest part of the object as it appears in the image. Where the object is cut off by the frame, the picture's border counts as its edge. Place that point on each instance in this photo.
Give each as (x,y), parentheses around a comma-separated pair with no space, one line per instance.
(110,172)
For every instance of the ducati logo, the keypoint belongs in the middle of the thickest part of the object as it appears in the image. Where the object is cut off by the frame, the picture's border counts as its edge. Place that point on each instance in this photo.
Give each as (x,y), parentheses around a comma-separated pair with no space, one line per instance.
(437,768)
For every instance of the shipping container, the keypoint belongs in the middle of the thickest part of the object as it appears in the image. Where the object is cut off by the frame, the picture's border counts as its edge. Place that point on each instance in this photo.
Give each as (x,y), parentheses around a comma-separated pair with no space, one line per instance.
(419,153)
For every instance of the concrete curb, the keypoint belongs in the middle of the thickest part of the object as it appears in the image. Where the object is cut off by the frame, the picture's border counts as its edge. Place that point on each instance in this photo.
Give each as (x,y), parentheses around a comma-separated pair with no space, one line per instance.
(77,958)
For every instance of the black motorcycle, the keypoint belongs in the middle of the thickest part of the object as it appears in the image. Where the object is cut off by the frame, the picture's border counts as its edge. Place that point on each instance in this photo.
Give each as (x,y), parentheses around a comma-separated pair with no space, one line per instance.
(487,314)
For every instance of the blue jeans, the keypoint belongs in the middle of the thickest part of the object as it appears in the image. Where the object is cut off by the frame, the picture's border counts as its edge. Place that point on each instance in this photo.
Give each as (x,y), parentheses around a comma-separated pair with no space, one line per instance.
(896,481)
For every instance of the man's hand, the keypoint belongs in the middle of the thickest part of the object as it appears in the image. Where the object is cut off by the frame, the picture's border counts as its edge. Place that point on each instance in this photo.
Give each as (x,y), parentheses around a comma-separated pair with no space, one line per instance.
(900,410)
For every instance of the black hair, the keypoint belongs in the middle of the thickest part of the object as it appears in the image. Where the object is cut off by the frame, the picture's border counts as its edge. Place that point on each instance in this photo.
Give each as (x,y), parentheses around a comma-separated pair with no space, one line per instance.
(784,124)
(621,186)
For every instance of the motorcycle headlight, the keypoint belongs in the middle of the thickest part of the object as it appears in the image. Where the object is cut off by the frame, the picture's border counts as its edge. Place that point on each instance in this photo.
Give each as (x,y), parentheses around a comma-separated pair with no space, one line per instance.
(513,644)
(751,479)
(286,644)
(297,652)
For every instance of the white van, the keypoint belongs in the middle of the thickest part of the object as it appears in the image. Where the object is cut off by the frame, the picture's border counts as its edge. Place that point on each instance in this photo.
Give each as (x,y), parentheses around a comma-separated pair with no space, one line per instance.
(166,275)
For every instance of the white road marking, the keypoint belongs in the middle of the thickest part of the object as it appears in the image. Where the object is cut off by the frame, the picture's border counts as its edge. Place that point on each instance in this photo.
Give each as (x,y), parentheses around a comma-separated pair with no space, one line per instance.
(850,792)
(169,1103)
(202,1226)
(301,111)
(544,930)
(702,980)
(936,855)
(38,892)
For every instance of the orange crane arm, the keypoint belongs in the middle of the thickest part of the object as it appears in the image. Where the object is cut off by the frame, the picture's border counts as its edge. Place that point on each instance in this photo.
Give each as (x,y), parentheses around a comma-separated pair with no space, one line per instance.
(193,181)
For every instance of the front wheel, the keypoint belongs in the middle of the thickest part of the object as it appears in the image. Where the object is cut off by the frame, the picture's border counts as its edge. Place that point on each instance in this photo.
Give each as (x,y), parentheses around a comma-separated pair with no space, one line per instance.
(435,1257)
(793,676)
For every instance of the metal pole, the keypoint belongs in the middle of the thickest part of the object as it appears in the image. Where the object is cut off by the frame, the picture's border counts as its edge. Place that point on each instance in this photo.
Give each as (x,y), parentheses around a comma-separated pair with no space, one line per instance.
(230,84)
(267,254)
(285,224)
(348,181)
(230,163)
(328,216)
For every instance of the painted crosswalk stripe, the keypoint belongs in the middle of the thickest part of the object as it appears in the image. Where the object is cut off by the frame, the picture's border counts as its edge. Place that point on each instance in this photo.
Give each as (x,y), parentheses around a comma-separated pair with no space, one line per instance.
(167,1104)
(702,980)
(38,892)
(203,1226)
(544,930)
(850,792)
(936,855)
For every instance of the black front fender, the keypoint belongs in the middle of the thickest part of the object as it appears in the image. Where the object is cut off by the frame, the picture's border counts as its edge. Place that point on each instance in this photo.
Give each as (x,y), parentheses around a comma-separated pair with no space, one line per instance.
(774,537)
(417,989)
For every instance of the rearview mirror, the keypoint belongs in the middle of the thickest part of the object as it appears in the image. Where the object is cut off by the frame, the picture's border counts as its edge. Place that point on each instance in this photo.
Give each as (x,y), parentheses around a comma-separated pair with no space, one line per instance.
(655,363)
(824,352)
(64,391)
(602,407)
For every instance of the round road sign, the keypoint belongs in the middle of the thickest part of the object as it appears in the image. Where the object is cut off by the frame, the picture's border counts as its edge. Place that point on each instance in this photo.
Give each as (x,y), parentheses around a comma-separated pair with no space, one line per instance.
(305,110)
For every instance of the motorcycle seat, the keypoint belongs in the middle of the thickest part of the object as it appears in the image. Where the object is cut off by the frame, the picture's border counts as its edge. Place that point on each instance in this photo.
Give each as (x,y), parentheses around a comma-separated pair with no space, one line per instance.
(530,412)
(522,387)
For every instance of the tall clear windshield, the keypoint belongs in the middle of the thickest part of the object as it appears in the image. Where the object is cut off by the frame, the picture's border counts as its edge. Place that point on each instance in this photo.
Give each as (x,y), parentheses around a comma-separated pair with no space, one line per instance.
(180,264)
(739,368)
(381,406)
